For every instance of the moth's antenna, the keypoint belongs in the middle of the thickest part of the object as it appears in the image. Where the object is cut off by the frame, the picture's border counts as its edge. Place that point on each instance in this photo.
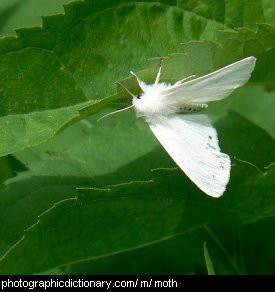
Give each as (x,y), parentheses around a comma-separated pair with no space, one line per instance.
(115,112)
(135,75)
(159,72)
(120,110)
(141,84)
(127,90)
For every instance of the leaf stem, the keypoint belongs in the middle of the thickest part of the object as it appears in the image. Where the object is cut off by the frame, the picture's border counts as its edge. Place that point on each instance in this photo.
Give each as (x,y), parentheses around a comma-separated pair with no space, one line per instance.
(223,249)
(208,261)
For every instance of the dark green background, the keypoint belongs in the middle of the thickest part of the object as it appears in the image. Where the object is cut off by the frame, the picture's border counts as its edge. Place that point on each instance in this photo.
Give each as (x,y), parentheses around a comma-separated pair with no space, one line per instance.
(85,197)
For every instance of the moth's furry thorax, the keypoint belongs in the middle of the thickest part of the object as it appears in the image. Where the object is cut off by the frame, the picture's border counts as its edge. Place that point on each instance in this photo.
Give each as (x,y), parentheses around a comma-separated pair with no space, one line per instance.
(153,102)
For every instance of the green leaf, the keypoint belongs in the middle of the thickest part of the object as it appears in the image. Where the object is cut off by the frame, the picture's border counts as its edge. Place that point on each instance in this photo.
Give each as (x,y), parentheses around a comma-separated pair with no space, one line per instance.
(106,222)
(237,249)
(9,166)
(259,257)
(50,69)
(58,70)
(111,181)
(242,249)
(20,131)
(56,172)
(21,13)
(233,13)
(246,146)
(173,256)
(253,103)
(70,160)
(6,12)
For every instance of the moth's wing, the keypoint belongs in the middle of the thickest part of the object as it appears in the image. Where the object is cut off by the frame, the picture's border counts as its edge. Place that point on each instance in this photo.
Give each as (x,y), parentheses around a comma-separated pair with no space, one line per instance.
(214,86)
(192,142)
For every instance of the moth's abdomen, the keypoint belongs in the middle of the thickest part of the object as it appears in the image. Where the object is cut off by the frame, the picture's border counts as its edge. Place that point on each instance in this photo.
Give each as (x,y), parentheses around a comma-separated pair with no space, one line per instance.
(191,107)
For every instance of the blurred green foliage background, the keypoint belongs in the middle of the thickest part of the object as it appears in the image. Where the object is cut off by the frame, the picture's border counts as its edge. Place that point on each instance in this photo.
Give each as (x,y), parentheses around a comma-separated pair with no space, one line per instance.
(85,197)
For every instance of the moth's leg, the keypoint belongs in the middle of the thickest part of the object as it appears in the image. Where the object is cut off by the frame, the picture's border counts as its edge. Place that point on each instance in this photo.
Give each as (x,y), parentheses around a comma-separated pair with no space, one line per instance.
(185,79)
(159,72)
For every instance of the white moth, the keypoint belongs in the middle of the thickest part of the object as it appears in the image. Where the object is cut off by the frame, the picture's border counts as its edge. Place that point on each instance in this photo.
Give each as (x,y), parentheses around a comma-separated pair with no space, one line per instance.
(188,137)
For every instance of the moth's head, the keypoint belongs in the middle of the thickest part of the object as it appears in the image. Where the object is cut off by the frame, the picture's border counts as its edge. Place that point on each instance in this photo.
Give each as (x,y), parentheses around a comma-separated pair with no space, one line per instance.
(138,101)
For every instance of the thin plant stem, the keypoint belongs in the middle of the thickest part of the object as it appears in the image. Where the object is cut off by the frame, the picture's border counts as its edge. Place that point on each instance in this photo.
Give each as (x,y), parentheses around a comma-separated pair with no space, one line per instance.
(223,249)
